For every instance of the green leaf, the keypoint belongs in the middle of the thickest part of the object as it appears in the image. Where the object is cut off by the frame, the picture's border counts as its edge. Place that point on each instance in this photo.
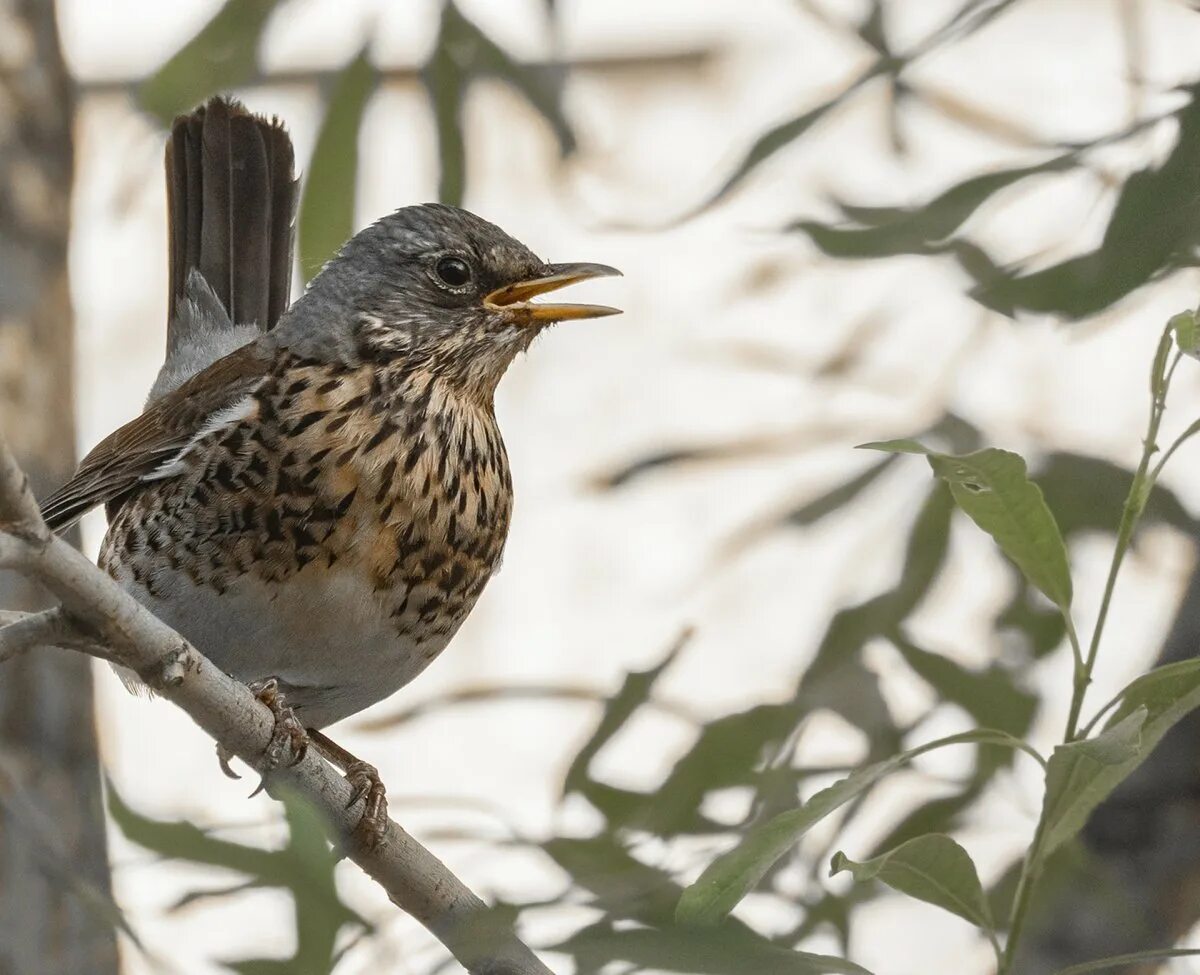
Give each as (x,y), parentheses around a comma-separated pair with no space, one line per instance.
(733,875)
(1081,774)
(1122,961)
(904,445)
(992,487)
(932,868)
(1187,335)
(223,55)
(1158,367)
(326,218)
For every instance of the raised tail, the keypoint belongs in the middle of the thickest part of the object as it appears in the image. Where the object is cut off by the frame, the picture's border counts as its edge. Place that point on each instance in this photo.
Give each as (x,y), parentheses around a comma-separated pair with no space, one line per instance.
(231,200)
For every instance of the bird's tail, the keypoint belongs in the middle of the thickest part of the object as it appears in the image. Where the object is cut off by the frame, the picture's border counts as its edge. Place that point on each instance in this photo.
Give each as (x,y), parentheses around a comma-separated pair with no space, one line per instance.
(231,199)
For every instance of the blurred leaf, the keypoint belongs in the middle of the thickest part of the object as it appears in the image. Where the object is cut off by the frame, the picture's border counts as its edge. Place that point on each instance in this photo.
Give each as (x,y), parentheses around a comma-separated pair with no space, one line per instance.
(725,753)
(851,628)
(620,883)
(1154,229)
(888,231)
(779,137)
(461,53)
(733,875)
(935,816)
(326,218)
(697,952)
(837,497)
(1087,494)
(991,486)
(223,55)
(185,841)
(1003,892)
(1124,961)
(1042,625)
(834,910)
(932,868)
(304,867)
(991,697)
(219,893)
(618,709)
(264,966)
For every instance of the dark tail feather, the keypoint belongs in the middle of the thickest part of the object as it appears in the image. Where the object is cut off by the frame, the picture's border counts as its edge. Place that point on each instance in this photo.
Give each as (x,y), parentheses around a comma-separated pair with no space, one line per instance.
(231,198)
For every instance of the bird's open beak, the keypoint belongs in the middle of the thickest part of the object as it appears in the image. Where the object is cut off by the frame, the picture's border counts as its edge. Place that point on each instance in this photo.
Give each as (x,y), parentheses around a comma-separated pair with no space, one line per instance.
(514,299)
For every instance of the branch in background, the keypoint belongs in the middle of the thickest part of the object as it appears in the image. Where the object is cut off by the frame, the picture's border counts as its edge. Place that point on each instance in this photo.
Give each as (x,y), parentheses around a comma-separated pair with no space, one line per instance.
(684,59)
(95,610)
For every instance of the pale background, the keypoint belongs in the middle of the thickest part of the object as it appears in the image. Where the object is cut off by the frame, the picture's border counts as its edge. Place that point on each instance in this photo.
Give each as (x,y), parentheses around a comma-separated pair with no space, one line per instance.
(596,584)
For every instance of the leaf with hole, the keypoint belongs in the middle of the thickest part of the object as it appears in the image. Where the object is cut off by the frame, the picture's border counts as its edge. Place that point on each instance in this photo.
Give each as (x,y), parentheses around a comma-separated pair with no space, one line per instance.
(993,488)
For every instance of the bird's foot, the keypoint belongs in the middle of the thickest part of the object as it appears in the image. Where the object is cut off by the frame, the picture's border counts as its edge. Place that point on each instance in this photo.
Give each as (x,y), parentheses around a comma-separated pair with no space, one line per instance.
(365,786)
(364,780)
(289,741)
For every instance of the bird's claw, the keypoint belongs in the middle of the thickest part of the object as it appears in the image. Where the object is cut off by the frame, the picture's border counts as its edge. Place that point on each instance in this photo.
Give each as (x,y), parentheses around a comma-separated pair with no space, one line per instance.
(366,786)
(223,757)
(289,740)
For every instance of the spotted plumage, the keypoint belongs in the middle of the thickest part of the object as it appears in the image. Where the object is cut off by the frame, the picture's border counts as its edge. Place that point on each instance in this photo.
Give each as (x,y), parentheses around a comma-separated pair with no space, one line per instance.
(317,496)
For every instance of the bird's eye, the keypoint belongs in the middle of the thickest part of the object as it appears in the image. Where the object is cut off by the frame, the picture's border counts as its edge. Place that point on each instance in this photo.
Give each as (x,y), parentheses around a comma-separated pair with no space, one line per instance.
(454,271)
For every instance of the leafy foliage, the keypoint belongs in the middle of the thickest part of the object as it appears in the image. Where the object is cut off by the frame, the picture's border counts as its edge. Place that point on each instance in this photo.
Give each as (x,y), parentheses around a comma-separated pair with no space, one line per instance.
(303,867)
(648,916)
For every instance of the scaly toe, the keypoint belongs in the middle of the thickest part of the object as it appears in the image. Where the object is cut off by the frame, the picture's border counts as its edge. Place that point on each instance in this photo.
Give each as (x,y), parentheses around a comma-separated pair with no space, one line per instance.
(289,740)
(366,785)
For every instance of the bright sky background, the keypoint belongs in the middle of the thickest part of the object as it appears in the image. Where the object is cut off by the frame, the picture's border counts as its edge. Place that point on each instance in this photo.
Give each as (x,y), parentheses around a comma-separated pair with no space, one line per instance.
(594,585)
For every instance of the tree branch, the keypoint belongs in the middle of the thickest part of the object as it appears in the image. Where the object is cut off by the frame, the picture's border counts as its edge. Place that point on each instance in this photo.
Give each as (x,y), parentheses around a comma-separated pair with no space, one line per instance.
(95,610)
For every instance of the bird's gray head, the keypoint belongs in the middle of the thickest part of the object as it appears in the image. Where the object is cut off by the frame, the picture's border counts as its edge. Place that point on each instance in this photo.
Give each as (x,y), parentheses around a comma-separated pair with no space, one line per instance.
(438,286)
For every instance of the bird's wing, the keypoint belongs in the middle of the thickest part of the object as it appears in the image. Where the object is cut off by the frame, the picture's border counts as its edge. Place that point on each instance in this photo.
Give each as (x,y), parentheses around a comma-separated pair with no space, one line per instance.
(144,448)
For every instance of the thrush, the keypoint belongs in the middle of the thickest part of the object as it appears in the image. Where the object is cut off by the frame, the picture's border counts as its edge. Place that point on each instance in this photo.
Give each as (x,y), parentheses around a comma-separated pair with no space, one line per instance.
(316,495)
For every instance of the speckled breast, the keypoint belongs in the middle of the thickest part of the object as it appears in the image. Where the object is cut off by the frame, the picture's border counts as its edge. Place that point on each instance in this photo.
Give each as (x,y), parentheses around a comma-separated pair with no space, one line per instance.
(333,534)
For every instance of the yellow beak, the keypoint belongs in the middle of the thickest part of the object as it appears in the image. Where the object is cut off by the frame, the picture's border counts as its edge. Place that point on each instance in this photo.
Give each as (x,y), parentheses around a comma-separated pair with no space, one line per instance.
(514,299)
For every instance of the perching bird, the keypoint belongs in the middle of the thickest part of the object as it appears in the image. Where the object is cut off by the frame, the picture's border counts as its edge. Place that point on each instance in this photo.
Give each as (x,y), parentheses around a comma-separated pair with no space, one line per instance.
(316,496)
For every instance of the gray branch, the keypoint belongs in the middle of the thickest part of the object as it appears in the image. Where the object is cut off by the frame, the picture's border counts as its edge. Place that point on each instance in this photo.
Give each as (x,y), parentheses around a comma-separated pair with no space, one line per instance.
(95,611)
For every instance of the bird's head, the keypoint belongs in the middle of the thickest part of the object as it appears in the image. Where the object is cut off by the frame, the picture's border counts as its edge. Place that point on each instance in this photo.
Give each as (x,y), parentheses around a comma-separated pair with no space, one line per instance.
(439,286)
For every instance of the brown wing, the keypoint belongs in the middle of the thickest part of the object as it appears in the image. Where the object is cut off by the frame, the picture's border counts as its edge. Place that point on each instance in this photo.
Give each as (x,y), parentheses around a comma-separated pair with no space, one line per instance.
(124,458)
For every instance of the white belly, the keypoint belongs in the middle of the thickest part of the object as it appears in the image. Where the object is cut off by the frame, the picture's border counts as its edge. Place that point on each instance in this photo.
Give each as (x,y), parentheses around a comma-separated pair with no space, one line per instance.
(323,634)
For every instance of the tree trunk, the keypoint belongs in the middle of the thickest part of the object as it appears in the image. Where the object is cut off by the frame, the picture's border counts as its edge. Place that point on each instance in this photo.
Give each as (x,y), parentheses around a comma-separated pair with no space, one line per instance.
(53,867)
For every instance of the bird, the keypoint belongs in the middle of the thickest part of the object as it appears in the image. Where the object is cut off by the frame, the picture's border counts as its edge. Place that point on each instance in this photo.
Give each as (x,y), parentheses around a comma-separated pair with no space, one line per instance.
(317,493)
